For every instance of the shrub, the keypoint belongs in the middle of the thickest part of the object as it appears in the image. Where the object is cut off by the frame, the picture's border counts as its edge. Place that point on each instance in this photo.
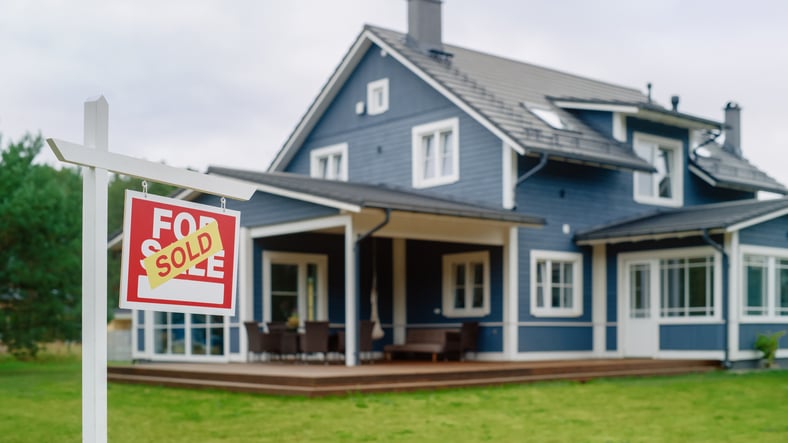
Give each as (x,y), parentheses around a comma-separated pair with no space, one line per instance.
(769,343)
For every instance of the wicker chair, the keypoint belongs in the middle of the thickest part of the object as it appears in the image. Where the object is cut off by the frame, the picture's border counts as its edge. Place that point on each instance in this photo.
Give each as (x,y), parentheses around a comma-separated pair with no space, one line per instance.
(255,338)
(315,338)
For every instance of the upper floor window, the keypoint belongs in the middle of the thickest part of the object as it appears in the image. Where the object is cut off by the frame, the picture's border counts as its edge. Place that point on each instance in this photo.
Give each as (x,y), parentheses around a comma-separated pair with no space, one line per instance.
(466,284)
(436,153)
(665,186)
(378,96)
(329,162)
(556,283)
(765,283)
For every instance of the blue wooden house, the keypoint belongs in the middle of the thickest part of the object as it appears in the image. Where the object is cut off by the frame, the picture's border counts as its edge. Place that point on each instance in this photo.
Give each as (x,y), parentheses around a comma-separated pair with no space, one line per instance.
(572,218)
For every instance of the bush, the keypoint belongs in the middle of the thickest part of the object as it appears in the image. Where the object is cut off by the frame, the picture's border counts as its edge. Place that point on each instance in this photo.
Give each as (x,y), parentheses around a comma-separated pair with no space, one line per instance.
(769,343)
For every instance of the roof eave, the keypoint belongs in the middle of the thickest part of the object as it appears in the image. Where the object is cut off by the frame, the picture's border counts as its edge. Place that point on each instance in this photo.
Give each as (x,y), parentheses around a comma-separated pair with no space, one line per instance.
(653,236)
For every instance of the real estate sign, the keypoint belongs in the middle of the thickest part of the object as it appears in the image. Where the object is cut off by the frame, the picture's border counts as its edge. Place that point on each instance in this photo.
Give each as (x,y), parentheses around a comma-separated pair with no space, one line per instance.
(178,256)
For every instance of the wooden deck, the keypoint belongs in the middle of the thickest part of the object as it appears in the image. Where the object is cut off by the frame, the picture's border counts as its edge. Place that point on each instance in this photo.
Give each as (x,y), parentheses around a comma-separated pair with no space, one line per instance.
(315,379)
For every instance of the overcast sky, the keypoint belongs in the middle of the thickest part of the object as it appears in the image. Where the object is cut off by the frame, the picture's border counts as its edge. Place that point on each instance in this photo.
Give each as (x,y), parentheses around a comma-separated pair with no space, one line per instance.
(196,83)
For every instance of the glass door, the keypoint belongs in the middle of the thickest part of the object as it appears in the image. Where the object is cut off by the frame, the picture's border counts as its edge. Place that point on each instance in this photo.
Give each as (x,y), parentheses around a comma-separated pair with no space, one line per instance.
(294,287)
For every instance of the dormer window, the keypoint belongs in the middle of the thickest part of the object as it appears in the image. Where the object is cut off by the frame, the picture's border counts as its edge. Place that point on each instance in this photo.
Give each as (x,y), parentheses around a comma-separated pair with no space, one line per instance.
(378,96)
(665,186)
(549,116)
(436,153)
(329,162)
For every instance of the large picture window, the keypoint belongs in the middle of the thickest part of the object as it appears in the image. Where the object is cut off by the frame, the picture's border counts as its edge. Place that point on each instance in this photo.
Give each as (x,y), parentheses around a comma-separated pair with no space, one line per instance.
(665,186)
(765,284)
(436,156)
(466,284)
(556,284)
(687,287)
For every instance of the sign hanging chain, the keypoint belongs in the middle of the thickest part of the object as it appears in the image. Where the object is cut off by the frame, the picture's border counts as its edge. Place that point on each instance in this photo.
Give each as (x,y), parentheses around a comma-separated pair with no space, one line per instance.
(145,188)
(224,204)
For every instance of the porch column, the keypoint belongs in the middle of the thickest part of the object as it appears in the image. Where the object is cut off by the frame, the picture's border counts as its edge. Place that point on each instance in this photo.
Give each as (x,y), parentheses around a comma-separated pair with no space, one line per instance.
(599,298)
(511,295)
(351,308)
(733,294)
(244,293)
(400,301)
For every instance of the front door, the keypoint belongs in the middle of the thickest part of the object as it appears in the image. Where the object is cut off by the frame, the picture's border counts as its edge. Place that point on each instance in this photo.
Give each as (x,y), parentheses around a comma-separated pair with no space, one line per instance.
(641,330)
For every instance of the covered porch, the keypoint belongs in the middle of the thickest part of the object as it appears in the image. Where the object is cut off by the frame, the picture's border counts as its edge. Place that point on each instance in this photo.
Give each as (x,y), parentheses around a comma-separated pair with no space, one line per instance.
(330,248)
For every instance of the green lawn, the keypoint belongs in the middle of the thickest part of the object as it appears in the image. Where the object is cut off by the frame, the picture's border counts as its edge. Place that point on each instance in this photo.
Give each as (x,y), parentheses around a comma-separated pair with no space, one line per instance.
(40,402)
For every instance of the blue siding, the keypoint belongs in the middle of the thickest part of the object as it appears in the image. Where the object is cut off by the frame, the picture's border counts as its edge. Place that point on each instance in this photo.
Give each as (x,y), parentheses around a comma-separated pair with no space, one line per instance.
(773,233)
(547,338)
(235,340)
(611,338)
(691,337)
(749,332)
(424,271)
(490,339)
(268,209)
(600,121)
(379,146)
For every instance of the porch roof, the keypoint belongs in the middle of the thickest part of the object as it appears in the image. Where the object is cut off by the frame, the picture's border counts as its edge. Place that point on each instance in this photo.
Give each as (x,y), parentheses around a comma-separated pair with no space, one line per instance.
(693,220)
(365,195)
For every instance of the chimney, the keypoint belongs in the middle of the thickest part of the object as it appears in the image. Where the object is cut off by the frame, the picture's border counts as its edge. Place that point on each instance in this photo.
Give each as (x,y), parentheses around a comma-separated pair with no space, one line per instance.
(732,129)
(674,101)
(424,24)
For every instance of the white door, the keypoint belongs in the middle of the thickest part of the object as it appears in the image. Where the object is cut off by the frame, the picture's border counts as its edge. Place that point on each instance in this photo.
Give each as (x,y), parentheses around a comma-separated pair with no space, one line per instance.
(294,287)
(641,330)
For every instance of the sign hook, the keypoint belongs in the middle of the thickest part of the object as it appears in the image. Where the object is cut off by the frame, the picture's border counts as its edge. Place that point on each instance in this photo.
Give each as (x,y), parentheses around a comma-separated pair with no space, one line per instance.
(145,188)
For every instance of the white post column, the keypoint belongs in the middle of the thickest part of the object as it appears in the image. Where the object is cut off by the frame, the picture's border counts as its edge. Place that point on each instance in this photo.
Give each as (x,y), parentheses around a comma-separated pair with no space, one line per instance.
(734,293)
(245,290)
(94,278)
(400,296)
(511,295)
(599,298)
(351,326)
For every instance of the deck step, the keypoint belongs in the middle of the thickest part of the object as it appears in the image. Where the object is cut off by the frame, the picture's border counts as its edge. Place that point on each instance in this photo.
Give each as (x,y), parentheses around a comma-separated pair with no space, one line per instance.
(396,380)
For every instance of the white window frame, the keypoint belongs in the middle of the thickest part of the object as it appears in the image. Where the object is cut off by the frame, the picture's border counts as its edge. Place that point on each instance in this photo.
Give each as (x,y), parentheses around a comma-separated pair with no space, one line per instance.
(300,260)
(643,141)
(466,258)
(435,129)
(576,259)
(772,255)
(329,153)
(654,257)
(382,86)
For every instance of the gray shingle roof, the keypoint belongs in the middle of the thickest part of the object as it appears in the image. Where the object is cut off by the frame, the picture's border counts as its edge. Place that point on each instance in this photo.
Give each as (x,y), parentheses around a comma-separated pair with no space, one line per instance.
(378,196)
(731,171)
(497,88)
(684,220)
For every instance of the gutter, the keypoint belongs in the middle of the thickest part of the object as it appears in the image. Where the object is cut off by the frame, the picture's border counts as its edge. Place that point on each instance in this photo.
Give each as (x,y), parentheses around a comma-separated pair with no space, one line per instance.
(726,363)
(355,358)
(534,170)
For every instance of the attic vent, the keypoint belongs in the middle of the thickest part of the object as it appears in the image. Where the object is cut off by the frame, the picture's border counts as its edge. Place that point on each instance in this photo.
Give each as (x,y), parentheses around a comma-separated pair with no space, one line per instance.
(549,116)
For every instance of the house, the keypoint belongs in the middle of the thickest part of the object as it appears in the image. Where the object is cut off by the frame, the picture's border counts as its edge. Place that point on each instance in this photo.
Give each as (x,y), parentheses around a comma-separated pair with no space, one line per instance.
(573,218)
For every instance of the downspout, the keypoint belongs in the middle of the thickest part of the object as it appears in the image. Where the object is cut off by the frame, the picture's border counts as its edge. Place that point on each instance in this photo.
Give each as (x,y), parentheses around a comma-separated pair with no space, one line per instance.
(357,257)
(534,170)
(726,363)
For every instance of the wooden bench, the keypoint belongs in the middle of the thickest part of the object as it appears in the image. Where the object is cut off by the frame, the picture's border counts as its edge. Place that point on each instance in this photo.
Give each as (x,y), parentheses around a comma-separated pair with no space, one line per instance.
(427,341)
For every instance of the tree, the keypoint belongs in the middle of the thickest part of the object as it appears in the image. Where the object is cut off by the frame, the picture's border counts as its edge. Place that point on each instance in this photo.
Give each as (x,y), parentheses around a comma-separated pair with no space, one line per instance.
(40,249)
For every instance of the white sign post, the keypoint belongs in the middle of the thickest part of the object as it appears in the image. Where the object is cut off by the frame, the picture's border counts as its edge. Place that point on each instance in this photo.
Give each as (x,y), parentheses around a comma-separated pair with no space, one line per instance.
(97,161)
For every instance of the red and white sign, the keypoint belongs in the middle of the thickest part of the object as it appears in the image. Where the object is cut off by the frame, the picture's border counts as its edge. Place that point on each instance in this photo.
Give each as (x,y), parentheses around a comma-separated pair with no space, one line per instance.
(178,256)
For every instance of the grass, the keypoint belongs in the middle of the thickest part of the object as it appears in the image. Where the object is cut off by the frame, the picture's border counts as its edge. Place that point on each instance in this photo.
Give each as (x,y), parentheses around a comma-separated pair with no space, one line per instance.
(40,401)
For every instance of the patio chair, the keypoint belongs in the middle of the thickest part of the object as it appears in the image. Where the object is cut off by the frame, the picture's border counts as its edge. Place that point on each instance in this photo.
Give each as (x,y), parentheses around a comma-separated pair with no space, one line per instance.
(255,337)
(468,334)
(315,338)
(364,341)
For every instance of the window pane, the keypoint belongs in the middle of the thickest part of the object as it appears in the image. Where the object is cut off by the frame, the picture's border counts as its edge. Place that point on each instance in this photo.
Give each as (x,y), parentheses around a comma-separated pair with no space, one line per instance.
(178,318)
(755,285)
(640,292)
(284,278)
(160,341)
(428,150)
(555,298)
(697,291)
(459,298)
(568,301)
(673,281)
(198,319)
(447,157)
(555,274)
(322,167)
(664,172)
(782,287)
(216,341)
(160,318)
(198,341)
(337,166)
(478,273)
(645,184)
(478,296)
(568,274)
(459,275)
(283,306)
(178,341)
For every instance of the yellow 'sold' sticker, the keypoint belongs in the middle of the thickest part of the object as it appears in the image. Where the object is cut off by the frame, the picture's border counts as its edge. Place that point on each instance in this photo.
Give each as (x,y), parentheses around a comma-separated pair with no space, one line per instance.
(182,254)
